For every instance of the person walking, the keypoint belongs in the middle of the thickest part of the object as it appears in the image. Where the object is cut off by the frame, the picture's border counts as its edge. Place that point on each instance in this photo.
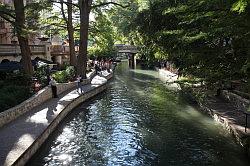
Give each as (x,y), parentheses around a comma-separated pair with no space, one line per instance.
(79,86)
(47,74)
(53,87)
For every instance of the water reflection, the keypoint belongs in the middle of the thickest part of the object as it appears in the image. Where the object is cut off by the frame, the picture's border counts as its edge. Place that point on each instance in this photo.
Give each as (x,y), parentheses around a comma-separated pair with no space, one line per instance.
(138,121)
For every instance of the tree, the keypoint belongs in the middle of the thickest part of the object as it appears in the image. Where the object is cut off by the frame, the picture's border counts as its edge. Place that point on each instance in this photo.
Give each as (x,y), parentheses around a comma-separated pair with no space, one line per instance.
(85,8)
(205,39)
(70,29)
(17,18)
(67,18)
(101,36)
(22,36)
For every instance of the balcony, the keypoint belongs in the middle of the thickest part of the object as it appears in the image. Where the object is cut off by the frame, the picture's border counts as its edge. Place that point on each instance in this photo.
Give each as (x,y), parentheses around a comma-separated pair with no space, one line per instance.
(12,49)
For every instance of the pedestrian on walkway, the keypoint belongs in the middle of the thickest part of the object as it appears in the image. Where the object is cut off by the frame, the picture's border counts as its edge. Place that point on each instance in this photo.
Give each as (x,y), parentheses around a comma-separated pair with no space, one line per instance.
(53,87)
(47,74)
(79,85)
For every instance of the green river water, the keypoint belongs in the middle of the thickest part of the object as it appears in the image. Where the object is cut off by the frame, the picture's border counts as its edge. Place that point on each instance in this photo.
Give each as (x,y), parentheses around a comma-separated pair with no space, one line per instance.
(138,121)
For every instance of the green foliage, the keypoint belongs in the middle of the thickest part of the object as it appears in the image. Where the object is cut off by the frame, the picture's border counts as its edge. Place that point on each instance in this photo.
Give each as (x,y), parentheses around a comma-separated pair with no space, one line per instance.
(41,75)
(18,79)
(122,20)
(51,23)
(184,80)
(64,76)
(202,38)
(70,70)
(102,37)
(32,14)
(60,76)
(11,95)
(195,95)
(240,5)
(14,89)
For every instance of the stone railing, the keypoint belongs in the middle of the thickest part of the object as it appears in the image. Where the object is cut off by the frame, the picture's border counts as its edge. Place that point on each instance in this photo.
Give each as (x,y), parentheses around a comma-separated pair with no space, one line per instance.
(15,49)
(241,103)
(38,98)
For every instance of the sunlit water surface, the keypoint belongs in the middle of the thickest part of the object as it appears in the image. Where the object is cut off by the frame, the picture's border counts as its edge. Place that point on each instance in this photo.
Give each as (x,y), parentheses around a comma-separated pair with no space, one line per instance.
(138,122)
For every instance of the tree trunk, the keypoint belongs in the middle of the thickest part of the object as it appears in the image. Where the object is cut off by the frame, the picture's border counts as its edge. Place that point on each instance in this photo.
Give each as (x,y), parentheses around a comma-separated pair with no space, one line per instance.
(83,45)
(71,35)
(22,37)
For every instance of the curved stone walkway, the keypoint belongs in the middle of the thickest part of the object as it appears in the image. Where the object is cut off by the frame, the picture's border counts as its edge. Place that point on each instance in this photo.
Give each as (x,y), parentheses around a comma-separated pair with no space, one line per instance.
(224,112)
(17,136)
(228,115)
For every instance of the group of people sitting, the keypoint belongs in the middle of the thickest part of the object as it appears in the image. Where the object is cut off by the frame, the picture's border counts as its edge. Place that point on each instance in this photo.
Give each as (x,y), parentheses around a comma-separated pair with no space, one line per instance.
(103,64)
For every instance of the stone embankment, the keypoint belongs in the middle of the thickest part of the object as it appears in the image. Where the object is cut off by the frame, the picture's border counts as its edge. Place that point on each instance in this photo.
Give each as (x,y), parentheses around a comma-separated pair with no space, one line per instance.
(229,110)
(230,117)
(23,135)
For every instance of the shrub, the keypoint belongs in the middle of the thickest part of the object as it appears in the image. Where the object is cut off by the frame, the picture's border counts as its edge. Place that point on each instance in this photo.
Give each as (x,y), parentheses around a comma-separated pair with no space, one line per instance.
(70,70)
(3,75)
(12,95)
(41,75)
(19,78)
(14,89)
(64,75)
(2,83)
(60,76)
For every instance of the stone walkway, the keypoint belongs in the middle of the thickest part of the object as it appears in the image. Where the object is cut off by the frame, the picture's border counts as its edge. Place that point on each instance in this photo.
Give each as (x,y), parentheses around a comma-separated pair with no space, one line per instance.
(223,112)
(228,115)
(17,136)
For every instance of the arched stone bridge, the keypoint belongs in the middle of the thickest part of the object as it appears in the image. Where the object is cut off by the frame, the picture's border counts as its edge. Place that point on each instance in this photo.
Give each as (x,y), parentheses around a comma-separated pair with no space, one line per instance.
(122,48)
(130,50)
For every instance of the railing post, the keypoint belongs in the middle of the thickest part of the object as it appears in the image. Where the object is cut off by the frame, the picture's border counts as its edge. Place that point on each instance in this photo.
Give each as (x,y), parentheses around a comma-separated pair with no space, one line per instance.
(47,51)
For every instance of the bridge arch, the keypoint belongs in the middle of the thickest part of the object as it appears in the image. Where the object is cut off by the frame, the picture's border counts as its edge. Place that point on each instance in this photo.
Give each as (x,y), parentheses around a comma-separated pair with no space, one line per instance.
(130,50)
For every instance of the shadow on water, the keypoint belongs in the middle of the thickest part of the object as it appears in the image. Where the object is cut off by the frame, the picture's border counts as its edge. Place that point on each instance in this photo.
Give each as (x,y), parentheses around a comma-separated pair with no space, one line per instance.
(138,121)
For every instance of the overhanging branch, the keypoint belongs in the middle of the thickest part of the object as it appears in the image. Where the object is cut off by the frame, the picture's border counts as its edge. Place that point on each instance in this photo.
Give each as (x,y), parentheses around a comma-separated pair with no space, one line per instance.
(65,2)
(7,13)
(63,13)
(5,17)
(109,3)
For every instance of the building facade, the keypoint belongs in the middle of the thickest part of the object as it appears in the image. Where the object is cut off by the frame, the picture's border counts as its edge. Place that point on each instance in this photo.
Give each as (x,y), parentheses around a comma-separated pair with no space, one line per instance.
(50,50)
(6,30)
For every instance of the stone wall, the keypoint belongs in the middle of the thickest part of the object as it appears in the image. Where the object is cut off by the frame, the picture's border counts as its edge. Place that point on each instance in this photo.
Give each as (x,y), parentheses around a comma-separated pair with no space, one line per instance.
(241,103)
(38,98)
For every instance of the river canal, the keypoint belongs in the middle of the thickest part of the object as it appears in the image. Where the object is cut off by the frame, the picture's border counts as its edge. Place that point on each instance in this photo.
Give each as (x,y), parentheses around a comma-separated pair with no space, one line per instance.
(138,121)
